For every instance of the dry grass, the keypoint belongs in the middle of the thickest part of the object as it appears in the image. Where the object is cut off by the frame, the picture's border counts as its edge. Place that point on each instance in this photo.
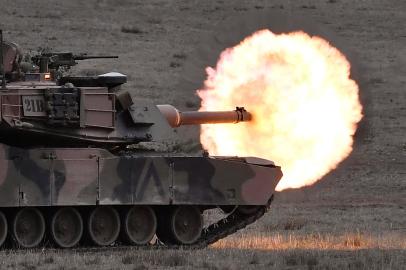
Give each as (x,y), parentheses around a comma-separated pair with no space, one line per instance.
(316,241)
(213,258)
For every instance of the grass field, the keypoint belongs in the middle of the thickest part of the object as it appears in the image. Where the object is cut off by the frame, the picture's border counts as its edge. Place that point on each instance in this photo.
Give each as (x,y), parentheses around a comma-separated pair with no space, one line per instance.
(354,218)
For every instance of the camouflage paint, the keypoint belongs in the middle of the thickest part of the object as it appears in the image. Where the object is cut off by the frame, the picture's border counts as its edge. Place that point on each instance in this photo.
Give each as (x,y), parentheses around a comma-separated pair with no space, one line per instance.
(90,176)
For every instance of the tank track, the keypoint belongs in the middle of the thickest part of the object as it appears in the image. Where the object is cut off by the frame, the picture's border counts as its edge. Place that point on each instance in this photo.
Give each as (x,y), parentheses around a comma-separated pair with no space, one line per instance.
(224,227)
(227,226)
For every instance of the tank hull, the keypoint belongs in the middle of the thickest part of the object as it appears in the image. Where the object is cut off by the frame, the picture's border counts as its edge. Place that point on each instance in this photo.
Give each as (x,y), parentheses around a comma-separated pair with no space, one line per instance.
(92,176)
(126,199)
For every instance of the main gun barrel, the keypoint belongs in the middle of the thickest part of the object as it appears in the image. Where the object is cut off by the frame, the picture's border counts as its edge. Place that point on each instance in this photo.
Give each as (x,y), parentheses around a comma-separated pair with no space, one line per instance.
(177,118)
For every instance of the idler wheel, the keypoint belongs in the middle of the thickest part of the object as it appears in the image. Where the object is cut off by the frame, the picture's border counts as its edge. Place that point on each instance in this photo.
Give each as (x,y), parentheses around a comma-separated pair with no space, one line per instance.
(103,225)
(139,225)
(66,227)
(28,227)
(3,228)
(183,226)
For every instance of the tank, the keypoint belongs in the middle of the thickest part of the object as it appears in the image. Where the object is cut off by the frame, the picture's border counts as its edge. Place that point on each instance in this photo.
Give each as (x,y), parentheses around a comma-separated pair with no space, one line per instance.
(70,176)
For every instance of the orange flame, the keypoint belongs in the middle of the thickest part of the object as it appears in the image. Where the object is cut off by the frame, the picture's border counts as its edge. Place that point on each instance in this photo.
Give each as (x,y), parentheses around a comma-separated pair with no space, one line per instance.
(305,107)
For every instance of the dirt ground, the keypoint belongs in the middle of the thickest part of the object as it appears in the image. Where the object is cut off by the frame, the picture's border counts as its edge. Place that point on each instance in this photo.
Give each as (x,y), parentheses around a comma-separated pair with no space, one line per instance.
(354,218)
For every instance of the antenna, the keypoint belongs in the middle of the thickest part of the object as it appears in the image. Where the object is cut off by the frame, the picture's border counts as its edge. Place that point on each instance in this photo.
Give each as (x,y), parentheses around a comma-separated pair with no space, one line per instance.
(3,73)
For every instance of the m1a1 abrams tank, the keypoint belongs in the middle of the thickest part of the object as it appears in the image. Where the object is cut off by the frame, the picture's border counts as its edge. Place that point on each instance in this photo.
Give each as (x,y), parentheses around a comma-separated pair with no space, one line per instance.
(66,170)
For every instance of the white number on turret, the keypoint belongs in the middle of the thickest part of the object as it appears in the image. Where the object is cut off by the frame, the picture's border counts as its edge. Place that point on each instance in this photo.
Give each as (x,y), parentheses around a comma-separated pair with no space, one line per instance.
(34,106)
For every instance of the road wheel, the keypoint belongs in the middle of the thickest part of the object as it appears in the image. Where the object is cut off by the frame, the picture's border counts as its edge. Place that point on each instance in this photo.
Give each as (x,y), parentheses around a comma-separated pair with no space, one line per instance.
(3,229)
(28,227)
(103,225)
(139,225)
(66,227)
(182,226)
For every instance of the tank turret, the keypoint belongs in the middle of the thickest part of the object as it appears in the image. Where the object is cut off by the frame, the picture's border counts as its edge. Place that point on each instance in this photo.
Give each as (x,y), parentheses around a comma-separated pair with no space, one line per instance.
(45,108)
(52,114)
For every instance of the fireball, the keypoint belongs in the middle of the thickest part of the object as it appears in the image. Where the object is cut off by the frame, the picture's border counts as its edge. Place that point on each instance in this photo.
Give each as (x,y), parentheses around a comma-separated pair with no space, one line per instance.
(304,104)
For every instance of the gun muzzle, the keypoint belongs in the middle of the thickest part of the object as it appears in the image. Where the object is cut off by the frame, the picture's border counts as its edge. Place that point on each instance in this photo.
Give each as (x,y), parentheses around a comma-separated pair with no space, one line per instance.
(177,118)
